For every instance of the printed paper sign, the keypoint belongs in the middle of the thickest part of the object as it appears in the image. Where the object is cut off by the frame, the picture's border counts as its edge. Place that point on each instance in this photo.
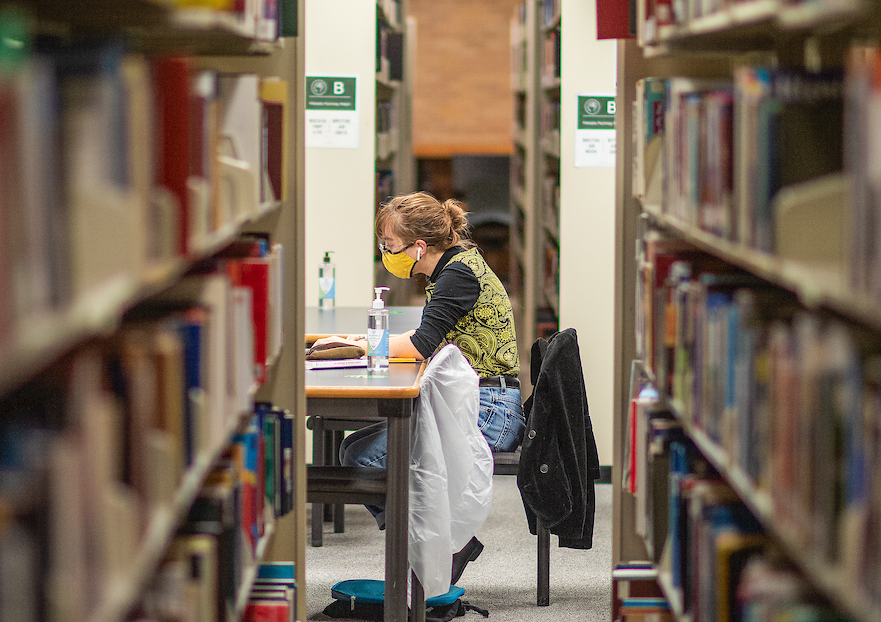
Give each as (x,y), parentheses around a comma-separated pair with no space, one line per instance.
(595,131)
(332,112)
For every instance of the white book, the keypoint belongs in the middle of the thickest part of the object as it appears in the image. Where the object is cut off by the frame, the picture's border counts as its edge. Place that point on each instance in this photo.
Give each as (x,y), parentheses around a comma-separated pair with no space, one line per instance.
(337,363)
(240,129)
(243,355)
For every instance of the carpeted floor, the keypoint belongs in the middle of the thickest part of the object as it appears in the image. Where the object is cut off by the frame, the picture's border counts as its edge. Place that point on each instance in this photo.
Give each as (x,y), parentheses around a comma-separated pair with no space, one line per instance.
(501,580)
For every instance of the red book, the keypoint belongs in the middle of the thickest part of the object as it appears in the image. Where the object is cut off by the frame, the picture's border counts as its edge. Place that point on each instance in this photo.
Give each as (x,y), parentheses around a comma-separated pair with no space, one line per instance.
(613,19)
(273,95)
(172,78)
(267,611)
(253,273)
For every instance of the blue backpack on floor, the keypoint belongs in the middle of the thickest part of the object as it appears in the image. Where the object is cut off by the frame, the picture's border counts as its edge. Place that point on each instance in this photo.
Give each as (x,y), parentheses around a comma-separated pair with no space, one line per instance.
(363,599)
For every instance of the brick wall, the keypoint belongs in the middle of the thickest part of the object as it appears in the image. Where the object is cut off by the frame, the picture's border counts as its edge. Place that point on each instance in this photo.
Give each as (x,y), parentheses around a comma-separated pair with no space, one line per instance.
(462,101)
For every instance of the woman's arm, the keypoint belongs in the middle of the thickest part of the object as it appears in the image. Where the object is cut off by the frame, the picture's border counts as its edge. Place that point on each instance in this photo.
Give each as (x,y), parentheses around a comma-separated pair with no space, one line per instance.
(399,346)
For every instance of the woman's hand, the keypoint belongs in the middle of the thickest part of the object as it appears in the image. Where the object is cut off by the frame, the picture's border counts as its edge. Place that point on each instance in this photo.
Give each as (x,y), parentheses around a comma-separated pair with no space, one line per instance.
(337,340)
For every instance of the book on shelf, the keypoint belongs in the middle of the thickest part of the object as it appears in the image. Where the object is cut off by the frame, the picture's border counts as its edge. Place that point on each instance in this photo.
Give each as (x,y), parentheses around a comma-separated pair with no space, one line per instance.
(551,57)
(29,431)
(772,589)
(192,327)
(287,18)
(187,580)
(267,18)
(243,349)
(154,233)
(155,457)
(275,582)
(168,354)
(275,334)
(614,19)
(253,274)
(277,573)
(862,95)
(172,86)
(202,160)
(271,449)
(274,100)
(212,292)
(268,608)
(648,138)
(663,431)
(105,224)
(636,452)
(394,46)
(34,268)
(241,144)
(697,164)
(675,546)
(215,512)
(645,609)
(780,113)
(385,185)
(733,551)
(714,510)
(251,451)
(277,424)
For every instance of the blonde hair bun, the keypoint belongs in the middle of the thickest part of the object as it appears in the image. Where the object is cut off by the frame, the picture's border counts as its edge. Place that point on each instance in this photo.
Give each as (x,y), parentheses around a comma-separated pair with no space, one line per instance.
(458,214)
(420,216)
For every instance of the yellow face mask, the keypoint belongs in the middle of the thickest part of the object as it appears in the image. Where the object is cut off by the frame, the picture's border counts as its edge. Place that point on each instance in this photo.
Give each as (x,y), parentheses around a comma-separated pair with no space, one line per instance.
(399,264)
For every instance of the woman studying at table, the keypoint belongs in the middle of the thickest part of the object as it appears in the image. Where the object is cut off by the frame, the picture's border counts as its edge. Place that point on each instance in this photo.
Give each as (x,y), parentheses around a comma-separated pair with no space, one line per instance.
(466,305)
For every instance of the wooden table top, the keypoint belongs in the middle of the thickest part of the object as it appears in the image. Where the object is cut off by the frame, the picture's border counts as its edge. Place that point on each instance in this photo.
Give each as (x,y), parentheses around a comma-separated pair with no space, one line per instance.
(401,381)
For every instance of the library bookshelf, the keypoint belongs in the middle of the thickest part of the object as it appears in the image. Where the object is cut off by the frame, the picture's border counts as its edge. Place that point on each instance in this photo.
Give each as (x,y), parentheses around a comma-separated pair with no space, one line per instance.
(151,208)
(747,375)
(394,152)
(535,168)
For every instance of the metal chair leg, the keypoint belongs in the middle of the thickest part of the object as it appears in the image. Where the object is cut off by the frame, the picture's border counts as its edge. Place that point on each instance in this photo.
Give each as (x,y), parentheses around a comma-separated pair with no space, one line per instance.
(543,591)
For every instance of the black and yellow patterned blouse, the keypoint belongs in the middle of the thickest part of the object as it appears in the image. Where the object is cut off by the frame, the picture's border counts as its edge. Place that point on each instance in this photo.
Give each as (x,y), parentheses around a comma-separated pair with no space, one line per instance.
(467,305)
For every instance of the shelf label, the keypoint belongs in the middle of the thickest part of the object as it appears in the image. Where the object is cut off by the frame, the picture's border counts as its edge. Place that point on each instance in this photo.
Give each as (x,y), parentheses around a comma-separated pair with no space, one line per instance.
(332,112)
(595,131)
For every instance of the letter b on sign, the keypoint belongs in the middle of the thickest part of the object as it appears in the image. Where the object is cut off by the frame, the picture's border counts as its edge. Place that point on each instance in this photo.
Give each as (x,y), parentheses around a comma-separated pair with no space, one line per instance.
(610,107)
(339,88)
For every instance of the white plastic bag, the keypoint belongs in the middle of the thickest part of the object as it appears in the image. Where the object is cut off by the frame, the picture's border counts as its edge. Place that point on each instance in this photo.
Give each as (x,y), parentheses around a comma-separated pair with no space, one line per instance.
(451,468)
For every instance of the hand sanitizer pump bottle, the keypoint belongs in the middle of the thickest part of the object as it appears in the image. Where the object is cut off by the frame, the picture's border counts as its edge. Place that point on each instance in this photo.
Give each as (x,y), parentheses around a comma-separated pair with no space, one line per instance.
(377,334)
(326,283)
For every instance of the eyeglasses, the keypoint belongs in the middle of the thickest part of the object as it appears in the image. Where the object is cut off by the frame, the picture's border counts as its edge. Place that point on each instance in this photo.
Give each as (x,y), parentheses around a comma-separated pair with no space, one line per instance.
(384,249)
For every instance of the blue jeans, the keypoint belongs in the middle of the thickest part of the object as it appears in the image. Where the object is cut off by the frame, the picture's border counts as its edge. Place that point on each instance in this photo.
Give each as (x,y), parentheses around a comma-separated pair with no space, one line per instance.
(500,419)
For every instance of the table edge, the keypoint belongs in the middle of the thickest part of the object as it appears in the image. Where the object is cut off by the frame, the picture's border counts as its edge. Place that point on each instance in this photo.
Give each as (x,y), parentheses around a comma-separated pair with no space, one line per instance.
(331,391)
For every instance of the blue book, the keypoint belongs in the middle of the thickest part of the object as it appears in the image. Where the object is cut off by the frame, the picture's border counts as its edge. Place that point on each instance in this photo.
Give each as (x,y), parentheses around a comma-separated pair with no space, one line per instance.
(191,329)
(714,375)
(286,446)
(678,471)
(284,572)
(267,423)
(730,412)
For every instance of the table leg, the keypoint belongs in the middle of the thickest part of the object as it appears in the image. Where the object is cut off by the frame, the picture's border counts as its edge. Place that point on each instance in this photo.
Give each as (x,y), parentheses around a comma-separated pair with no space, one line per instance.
(397,510)
(317,538)
(417,598)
